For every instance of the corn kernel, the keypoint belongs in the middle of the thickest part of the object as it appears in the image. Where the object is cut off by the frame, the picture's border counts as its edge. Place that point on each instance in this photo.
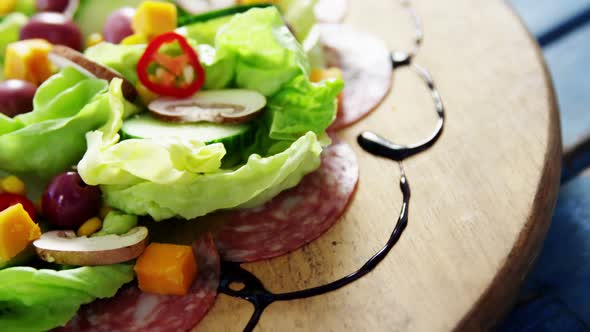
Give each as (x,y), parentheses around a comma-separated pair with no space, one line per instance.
(12,184)
(104,211)
(94,39)
(90,227)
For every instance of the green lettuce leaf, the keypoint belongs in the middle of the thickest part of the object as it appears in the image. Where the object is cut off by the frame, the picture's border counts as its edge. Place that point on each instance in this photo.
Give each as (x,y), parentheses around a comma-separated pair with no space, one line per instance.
(170,160)
(51,138)
(267,54)
(303,106)
(39,300)
(197,194)
(180,177)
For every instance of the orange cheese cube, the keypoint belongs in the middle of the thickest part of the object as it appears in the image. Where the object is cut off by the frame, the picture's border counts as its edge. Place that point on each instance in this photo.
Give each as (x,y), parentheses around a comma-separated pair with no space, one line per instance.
(167,269)
(154,18)
(27,60)
(17,231)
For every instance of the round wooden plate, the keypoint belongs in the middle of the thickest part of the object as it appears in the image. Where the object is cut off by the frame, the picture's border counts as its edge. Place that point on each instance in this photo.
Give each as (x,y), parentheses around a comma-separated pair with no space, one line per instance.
(482,197)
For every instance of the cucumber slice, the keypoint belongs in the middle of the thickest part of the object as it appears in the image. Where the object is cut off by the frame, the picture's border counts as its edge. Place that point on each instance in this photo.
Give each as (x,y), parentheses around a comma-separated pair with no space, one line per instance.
(185,20)
(235,137)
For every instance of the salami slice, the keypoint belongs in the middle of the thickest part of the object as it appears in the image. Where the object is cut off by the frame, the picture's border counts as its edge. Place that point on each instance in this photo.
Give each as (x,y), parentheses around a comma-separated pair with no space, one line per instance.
(295,217)
(366,65)
(132,310)
(331,11)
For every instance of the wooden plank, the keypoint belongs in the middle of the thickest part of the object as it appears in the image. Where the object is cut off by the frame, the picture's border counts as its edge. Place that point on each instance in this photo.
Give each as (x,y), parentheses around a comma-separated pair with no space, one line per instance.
(482,197)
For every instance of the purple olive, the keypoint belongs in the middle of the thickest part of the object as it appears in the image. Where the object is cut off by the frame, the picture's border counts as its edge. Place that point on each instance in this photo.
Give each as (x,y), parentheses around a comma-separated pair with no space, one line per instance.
(57,6)
(118,25)
(16,97)
(68,202)
(56,28)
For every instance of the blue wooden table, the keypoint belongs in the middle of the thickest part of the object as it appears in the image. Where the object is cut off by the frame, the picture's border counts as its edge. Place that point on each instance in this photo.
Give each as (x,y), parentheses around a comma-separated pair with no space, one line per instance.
(556,295)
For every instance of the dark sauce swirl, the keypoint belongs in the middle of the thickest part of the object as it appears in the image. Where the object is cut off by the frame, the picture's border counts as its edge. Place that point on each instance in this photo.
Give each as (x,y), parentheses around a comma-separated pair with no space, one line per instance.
(253,290)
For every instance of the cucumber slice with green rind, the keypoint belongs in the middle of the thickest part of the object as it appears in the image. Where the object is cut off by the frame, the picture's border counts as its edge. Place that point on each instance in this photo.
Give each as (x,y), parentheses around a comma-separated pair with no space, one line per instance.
(235,137)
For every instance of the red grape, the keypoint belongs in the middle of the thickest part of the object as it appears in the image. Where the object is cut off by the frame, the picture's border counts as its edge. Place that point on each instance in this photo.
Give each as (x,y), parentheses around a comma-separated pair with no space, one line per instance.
(16,97)
(55,28)
(118,25)
(68,202)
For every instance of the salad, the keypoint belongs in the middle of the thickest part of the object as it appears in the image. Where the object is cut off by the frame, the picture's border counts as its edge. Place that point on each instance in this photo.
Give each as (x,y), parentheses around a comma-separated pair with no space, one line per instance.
(160,114)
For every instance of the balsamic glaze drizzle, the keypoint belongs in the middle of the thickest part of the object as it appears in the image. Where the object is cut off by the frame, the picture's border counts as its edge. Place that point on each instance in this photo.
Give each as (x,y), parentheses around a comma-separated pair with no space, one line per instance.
(253,289)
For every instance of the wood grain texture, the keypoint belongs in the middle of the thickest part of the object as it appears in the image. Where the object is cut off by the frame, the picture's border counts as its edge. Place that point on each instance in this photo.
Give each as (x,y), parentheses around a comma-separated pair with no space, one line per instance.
(481,198)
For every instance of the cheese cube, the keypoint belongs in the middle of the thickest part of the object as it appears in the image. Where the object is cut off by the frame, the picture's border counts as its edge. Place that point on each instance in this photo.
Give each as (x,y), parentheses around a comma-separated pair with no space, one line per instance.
(154,18)
(167,269)
(27,60)
(17,231)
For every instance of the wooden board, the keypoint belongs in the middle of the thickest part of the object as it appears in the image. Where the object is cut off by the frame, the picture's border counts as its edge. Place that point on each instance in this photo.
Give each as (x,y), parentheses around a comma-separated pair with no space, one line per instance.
(482,197)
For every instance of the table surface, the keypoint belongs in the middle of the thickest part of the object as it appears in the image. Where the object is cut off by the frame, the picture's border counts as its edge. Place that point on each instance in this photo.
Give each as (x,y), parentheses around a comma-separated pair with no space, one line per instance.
(482,197)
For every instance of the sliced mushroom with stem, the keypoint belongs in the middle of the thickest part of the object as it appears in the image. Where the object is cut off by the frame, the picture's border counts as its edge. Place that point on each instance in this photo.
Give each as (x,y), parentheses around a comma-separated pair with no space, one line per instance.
(64,247)
(217,106)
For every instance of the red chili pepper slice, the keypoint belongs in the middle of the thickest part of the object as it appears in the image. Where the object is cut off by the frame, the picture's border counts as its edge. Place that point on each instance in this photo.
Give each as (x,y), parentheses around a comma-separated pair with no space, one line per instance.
(7,200)
(169,76)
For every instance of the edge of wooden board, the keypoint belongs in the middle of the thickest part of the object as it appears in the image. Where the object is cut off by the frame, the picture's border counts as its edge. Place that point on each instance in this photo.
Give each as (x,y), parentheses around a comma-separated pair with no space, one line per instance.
(501,294)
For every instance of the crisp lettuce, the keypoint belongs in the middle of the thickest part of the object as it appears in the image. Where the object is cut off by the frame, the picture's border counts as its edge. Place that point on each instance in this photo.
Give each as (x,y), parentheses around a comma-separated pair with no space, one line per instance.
(182,178)
(303,106)
(51,138)
(39,300)
(162,161)
(268,55)
(199,194)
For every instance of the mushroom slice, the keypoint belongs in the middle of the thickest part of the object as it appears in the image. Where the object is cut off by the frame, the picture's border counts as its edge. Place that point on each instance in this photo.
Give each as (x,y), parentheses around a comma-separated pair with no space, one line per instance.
(218,106)
(64,247)
(63,56)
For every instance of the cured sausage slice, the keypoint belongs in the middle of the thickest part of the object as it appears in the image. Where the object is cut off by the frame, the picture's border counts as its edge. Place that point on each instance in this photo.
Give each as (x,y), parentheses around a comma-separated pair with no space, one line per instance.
(366,64)
(296,216)
(131,310)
